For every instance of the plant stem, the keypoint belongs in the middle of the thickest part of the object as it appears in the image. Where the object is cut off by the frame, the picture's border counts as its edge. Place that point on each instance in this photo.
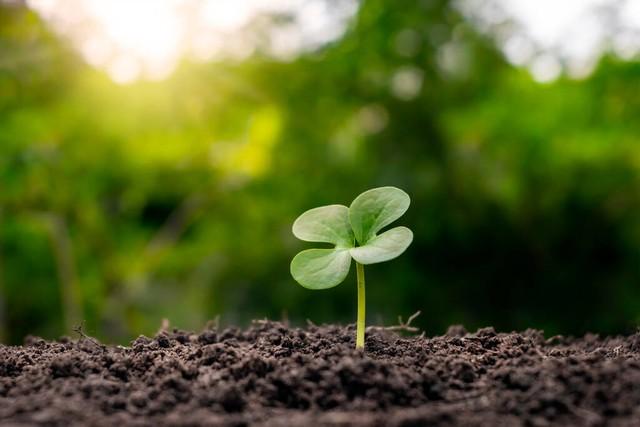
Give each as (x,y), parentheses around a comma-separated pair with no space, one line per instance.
(361,308)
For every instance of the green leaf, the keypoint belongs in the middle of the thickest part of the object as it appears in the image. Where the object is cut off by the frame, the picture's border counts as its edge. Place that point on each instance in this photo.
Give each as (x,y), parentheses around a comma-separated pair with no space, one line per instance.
(375,209)
(384,247)
(321,268)
(329,224)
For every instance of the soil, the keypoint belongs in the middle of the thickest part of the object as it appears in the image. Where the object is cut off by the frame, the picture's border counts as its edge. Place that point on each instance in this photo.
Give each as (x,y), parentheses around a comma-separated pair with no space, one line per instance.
(274,375)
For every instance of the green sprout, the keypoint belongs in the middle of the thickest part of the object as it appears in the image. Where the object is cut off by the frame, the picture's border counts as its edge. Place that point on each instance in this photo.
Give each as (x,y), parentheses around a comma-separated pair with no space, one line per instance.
(353,230)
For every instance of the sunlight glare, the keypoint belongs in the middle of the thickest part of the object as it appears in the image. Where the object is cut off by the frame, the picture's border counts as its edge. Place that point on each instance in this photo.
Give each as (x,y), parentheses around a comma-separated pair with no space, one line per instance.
(550,36)
(147,38)
(143,31)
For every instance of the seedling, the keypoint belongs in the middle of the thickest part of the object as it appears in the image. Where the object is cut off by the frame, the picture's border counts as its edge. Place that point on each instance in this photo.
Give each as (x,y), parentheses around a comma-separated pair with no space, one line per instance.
(353,230)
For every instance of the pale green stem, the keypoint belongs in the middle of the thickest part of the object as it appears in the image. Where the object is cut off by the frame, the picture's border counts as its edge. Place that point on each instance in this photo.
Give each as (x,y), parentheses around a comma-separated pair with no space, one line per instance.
(361,307)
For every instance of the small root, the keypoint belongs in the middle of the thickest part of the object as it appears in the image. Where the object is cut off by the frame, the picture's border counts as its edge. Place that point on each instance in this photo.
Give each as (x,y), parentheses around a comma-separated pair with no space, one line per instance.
(164,326)
(80,331)
(213,325)
(285,318)
(401,326)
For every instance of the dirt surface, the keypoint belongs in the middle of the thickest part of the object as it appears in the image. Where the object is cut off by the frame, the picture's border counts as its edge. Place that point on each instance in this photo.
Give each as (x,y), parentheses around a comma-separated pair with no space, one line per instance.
(273,375)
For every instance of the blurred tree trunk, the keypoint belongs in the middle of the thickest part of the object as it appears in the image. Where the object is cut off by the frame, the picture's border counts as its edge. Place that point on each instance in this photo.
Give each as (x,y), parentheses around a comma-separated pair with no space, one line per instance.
(3,306)
(175,226)
(65,266)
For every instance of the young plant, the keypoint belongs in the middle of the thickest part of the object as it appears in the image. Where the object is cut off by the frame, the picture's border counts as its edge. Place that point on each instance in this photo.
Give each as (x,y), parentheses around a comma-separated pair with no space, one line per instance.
(353,231)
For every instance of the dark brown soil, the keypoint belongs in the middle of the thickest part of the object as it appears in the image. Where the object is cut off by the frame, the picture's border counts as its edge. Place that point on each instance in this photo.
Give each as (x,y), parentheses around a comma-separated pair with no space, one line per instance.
(274,375)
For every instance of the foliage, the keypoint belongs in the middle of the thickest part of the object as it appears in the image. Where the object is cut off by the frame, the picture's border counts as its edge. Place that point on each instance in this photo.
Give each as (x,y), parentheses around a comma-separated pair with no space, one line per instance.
(336,224)
(123,205)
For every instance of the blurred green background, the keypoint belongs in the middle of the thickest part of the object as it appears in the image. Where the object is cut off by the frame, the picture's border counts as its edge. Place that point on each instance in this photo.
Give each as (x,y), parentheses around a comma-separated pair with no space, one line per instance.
(123,204)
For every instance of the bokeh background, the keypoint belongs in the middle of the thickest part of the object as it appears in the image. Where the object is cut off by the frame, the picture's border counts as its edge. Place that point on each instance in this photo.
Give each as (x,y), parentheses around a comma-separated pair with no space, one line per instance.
(154,154)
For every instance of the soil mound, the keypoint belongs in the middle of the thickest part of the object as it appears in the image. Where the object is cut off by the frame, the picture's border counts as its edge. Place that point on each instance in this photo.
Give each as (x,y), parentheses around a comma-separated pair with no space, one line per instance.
(274,375)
